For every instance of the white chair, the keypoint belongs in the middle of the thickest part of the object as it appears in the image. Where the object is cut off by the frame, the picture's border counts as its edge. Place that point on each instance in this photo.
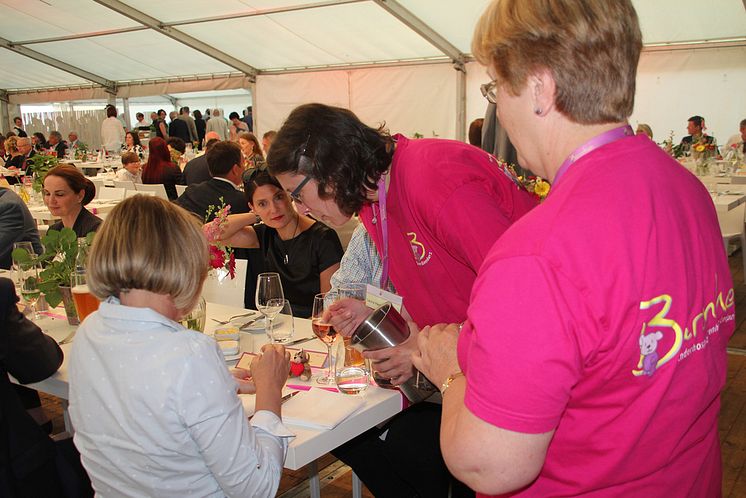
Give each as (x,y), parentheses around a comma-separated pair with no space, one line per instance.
(113,193)
(180,189)
(125,184)
(230,291)
(158,189)
(132,193)
(99,183)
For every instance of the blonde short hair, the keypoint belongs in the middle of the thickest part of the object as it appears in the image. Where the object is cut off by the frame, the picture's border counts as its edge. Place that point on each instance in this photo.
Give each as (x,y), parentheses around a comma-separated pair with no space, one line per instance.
(591,48)
(646,129)
(150,244)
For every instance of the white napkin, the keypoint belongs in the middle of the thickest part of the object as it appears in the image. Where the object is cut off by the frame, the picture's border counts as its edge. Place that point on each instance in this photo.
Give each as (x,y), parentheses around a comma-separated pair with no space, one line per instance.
(249,401)
(319,409)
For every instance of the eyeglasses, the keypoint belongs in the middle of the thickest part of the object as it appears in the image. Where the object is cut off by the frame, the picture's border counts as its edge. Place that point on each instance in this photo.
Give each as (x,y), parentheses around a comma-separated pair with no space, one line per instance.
(304,164)
(489,91)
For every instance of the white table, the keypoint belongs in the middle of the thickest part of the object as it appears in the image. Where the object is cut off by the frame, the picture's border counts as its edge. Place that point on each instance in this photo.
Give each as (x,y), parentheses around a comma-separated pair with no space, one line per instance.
(728,202)
(309,444)
(97,206)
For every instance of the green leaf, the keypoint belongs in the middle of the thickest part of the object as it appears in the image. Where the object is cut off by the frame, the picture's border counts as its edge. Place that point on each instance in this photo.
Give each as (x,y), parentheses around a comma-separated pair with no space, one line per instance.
(53,297)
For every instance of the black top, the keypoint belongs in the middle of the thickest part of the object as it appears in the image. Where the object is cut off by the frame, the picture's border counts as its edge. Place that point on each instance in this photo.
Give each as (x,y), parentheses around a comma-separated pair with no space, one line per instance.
(85,223)
(201,128)
(179,128)
(19,131)
(16,225)
(170,177)
(196,170)
(197,198)
(156,124)
(308,254)
(29,356)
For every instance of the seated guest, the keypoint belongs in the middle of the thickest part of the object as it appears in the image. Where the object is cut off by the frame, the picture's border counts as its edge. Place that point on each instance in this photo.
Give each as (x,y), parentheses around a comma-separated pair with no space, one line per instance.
(14,159)
(643,129)
(305,252)
(611,384)
(3,153)
(160,169)
(475,132)
(183,429)
(131,168)
(31,464)
(178,127)
(66,192)
(26,151)
(226,178)
(57,144)
(132,144)
(16,225)
(176,149)
(696,127)
(237,126)
(197,170)
(39,141)
(737,141)
(267,140)
(72,140)
(250,149)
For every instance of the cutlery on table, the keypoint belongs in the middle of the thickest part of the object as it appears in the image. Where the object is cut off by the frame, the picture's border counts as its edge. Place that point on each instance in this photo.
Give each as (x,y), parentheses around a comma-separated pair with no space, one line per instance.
(298,341)
(288,396)
(250,323)
(223,322)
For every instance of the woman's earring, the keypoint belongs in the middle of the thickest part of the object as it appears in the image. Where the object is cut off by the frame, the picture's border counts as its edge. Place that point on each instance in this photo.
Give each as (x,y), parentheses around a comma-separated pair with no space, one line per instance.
(537,111)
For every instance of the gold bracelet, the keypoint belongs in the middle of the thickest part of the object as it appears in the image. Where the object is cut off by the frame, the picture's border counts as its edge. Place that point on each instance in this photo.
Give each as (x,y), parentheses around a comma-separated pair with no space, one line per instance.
(445,385)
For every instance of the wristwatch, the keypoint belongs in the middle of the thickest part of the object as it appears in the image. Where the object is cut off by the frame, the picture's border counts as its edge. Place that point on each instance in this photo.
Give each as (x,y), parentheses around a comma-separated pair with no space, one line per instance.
(447,383)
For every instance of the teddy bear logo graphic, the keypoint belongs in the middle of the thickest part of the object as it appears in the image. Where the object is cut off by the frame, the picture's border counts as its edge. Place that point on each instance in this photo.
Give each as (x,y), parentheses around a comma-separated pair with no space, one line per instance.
(648,349)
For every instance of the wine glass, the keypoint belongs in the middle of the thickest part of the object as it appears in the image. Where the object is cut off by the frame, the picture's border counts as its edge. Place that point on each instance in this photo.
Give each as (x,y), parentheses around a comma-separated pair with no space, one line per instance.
(324,330)
(269,296)
(29,248)
(30,286)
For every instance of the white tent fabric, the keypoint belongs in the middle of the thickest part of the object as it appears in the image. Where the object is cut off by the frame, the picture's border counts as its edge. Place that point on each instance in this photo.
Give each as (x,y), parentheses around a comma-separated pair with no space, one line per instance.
(181,46)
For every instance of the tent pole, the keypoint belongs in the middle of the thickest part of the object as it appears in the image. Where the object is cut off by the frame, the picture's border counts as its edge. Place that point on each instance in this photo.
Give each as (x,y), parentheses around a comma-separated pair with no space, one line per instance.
(4,114)
(460,101)
(127,118)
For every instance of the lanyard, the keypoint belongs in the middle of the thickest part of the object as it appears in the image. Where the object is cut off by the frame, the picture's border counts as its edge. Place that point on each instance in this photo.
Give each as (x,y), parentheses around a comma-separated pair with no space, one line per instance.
(384,230)
(594,143)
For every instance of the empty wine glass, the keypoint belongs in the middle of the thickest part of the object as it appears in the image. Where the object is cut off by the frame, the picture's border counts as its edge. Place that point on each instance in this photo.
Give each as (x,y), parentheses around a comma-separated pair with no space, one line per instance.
(324,330)
(30,286)
(16,267)
(269,296)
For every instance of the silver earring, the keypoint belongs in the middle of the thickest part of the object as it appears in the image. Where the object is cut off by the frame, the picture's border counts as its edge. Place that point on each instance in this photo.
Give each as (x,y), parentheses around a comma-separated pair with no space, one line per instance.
(537,111)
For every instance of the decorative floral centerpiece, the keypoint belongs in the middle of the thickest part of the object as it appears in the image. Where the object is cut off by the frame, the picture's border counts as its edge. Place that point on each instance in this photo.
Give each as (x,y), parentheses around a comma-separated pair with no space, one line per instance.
(39,164)
(222,259)
(81,152)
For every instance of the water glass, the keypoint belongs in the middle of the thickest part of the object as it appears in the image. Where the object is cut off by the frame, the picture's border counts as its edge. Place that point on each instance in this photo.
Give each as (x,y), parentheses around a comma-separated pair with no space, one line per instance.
(354,290)
(269,297)
(196,318)
(352,372)
(30,286)
(283,326)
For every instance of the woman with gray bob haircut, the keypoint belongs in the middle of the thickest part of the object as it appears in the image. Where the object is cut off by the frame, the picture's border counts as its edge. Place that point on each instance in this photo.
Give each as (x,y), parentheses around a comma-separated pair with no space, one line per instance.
(154,407)
(586,366)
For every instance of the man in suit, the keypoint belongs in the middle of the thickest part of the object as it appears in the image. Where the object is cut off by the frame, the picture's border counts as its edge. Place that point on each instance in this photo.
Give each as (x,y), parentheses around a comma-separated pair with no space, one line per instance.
(72,140)
(226,169)
(191,125)
(57,144)
(16,225)
(196,170)
(695,127)
(178,127)
(25,148)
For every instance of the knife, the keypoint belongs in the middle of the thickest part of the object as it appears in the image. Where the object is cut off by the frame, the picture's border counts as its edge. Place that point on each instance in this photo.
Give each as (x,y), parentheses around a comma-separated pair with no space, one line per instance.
(288,396)
(250,323)
(298,341)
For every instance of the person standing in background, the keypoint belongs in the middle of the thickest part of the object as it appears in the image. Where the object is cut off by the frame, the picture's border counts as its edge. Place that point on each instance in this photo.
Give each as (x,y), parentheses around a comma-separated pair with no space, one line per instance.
(112,131)
(18,127)
(218,125)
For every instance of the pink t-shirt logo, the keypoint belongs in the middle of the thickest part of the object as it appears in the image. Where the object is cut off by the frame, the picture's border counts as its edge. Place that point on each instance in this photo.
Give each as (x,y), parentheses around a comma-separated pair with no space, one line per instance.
(421,255)
(695,336)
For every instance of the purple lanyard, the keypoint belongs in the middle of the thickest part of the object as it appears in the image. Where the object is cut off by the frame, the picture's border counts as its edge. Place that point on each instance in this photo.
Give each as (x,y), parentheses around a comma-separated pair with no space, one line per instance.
(384,230)
(594,143)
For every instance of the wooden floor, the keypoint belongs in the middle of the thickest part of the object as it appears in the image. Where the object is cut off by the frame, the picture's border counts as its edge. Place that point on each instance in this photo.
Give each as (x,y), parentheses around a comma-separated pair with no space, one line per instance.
(336,478)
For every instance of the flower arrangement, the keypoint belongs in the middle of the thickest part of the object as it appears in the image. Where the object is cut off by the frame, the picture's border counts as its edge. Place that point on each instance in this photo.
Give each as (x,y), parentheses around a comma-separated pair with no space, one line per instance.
(536,186)
(222,258)
(81,151)
(39,164)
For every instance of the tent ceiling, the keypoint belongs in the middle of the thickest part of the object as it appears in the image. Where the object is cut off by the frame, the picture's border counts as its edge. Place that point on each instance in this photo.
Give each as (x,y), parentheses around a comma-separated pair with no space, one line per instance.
(274,35)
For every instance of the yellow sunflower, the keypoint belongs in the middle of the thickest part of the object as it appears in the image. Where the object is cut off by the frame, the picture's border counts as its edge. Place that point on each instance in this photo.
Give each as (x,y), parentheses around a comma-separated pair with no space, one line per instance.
(541,188)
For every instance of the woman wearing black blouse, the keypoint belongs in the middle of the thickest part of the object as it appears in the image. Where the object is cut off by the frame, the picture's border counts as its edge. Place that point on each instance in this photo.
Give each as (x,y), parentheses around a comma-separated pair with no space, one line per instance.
(66,192)
(305,252)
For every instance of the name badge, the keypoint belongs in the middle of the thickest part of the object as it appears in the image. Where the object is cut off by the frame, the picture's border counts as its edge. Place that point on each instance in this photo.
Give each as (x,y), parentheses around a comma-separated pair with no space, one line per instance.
(375,298)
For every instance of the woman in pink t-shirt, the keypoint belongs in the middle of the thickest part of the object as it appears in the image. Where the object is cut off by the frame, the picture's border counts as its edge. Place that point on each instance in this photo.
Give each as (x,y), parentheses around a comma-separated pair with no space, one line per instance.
(433,209)
(594,352)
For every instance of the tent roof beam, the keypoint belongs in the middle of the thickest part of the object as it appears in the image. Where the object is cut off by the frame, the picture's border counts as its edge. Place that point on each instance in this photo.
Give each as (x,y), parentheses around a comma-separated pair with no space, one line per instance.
(179,36)
(414,23)
(109,86)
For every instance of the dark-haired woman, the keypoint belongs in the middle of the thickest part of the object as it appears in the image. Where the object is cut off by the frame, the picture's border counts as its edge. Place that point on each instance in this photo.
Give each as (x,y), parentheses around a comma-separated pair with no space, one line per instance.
(201,125)
(66,193)
(251,150)
(132,144)
(160,168)
(39,141)
(237,126)
(305,252)
(433,209)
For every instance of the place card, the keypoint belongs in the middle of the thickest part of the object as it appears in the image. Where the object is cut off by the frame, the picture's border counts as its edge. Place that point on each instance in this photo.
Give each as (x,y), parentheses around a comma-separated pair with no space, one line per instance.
(317,359)
(375,298)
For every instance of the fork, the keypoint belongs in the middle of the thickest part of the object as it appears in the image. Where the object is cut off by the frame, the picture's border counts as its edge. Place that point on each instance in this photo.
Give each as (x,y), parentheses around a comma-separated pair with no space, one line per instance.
(67,339)
(223,322)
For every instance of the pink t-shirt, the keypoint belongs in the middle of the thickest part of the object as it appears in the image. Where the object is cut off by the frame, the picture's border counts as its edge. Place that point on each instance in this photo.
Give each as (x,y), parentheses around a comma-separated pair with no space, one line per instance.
(604,315)
(447,203)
